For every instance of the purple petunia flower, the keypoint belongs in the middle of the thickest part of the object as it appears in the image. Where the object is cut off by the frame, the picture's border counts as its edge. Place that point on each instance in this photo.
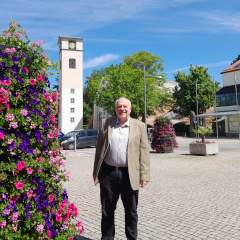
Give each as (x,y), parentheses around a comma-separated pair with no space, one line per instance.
(23,55)
(12,145)
(33,101)
(15,59)
(45,125)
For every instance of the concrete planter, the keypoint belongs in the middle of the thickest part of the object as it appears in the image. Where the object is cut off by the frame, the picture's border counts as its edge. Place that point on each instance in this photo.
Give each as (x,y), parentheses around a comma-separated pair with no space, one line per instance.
(203,149)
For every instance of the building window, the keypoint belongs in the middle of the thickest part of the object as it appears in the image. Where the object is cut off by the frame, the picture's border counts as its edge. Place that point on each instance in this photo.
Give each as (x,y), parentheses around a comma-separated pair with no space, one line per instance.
(72,63)
(72,100)
(72,110)
(72,90)
(72,119)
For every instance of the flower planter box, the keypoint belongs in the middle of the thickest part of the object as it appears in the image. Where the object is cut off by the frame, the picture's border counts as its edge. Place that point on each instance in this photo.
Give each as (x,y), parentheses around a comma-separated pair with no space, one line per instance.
(203,149)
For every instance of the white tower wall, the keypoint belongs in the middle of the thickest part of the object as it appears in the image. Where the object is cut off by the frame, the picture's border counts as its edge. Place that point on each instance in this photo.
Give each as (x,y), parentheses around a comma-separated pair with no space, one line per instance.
(70,115)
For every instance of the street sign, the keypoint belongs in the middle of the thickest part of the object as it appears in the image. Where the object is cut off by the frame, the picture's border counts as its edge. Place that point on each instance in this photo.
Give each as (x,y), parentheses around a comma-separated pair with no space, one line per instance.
(195,120)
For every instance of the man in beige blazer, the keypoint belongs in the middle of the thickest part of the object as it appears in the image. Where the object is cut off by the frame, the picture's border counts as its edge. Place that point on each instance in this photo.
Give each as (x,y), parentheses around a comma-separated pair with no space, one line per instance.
(122,166)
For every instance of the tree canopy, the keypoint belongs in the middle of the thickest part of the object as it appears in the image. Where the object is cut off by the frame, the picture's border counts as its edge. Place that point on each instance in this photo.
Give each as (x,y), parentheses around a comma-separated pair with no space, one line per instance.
(126,79)
(185,93)
(235,60)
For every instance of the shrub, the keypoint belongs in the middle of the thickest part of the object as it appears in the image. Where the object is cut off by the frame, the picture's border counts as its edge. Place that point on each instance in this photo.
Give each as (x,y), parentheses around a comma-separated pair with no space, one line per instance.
(33,203)
(163,135)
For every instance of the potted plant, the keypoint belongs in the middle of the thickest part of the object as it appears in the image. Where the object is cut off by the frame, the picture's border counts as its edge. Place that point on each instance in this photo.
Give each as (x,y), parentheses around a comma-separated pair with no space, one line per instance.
(163,136)
(203,147)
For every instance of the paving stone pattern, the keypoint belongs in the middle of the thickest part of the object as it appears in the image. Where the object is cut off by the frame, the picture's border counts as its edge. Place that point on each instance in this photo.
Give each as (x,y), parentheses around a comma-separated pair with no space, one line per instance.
(189,197)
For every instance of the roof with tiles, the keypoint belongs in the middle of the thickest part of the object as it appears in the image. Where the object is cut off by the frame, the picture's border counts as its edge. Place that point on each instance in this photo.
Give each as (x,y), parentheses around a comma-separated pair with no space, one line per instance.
(233,67)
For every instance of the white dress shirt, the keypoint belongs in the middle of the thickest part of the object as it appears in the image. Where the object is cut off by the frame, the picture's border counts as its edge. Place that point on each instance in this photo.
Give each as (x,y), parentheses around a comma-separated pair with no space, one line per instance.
(117,152)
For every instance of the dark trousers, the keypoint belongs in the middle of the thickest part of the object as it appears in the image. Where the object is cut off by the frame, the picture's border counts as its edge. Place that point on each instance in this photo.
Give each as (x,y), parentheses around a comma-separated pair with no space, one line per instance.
(114,183)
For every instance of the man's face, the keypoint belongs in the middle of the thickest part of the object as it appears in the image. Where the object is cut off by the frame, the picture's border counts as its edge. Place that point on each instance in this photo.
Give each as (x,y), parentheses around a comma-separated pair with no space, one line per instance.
(123,109)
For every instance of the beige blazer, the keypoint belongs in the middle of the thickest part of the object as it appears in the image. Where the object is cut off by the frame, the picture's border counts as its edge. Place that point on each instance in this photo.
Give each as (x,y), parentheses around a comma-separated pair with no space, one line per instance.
(138,150)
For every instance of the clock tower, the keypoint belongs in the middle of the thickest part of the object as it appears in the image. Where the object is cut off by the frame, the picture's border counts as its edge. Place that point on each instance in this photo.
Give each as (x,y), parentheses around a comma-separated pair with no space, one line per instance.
(70,114)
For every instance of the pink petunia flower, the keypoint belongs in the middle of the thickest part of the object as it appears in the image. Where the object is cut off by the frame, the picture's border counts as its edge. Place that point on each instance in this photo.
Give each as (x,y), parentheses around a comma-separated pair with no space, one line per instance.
(9,34)
(40,78)
(58,218)
(8,82)
(44,55)
(51,135)
(51,198)
(53,118)
(2,136)
(40,41)
(28,119)
(70,238)
(40,159)
(21,165)
(25,69)
(32,81)
(79,224)
(24,112)
(18,34)
(30,171)
(49,233)
(13,125)
(62,205)
(10,117)
(40,228)
(18,95)
(67,175)
(19,185)
(29,194)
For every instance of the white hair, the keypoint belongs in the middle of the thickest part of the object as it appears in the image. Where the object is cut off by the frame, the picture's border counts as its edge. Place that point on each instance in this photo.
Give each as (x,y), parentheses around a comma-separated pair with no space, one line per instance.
(123,98)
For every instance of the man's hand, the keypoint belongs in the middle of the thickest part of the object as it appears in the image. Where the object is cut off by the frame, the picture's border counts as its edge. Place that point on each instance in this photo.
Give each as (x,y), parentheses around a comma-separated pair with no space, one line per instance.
(143,183)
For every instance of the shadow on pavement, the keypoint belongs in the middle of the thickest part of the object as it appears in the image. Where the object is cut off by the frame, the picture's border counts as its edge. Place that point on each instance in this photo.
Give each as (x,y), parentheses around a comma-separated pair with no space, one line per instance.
(81,238)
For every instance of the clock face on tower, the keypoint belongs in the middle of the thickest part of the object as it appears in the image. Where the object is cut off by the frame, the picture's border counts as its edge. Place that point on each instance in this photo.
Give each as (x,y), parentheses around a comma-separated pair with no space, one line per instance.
(72,45)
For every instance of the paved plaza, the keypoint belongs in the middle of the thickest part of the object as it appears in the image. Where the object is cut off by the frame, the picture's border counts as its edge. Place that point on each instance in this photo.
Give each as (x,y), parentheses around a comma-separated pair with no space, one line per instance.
(189,197)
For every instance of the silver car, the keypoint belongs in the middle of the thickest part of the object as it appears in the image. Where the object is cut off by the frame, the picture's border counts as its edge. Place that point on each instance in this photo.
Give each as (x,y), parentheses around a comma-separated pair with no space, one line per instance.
(84,138)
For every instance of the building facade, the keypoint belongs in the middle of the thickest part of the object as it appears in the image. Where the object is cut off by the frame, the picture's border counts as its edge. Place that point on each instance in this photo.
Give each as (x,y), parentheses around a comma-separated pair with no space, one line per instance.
(70,115)
(227,111)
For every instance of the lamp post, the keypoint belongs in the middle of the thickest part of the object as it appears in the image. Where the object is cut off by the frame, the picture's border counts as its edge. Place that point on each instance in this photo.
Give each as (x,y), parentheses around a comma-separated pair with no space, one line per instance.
(145,97)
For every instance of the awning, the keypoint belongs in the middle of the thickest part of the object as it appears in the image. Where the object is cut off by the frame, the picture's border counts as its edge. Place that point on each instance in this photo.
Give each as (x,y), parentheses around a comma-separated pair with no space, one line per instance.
(217,114)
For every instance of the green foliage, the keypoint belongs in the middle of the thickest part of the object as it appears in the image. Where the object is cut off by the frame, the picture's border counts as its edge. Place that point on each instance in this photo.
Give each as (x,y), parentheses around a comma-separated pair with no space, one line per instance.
(235,60)
(182,128)
(203,131)
(185,93)
(126,79)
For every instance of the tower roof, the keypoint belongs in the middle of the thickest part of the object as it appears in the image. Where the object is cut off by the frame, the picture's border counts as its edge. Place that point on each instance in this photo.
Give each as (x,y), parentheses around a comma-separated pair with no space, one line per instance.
(69,38)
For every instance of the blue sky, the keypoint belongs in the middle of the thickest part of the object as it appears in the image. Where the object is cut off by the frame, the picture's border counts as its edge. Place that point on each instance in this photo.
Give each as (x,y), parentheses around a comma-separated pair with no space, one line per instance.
(183,32)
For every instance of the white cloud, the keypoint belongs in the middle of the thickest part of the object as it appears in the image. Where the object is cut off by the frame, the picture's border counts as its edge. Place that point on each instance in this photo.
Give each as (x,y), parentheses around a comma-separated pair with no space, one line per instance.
(207,65)
(98,61)
(218,20)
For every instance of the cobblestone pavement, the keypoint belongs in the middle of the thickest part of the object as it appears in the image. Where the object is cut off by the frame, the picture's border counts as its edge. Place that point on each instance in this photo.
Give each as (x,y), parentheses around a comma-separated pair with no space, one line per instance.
(189,197)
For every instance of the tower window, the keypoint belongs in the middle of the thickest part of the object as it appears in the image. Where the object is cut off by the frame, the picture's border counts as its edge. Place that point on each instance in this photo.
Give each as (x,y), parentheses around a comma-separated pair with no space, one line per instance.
(72,110)
(72,90)
(72,119)
(72,63)
(72,100)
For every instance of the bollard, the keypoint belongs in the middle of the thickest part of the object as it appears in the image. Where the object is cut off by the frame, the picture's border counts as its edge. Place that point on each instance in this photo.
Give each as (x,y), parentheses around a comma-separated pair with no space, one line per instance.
(75,137)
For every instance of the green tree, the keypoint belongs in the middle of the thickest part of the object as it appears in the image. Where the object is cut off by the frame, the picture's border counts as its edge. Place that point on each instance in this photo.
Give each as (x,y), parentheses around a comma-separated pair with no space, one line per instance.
(238,58)
(87,107)
(127,80)
(185,93)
